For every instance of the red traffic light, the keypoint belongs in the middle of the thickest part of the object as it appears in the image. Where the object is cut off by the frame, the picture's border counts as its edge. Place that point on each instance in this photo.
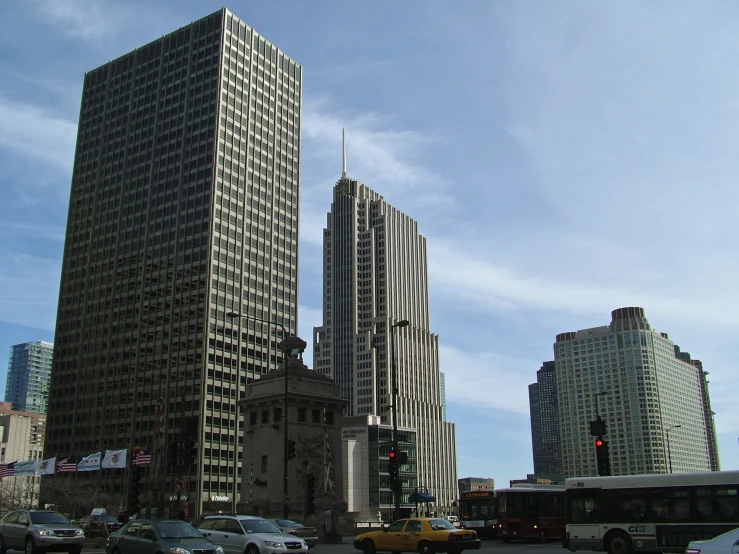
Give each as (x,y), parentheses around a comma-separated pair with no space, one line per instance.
(598,443)
(391,455)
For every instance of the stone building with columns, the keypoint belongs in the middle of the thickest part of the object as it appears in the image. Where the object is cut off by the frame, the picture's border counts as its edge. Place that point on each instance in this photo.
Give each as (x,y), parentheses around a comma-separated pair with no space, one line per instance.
(313,418)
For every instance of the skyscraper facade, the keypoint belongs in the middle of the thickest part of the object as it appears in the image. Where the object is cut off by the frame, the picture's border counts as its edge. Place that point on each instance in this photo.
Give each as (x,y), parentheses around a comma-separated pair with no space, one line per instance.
(183,208)
(29,369)
(375,275)
(629,374)
(544,411)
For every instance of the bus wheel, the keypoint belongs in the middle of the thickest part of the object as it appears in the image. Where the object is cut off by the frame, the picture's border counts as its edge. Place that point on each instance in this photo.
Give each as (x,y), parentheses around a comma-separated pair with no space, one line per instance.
(618,542)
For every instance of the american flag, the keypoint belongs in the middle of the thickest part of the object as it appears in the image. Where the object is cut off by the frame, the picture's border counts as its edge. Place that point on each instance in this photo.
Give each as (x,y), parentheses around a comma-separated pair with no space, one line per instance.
(142,457)
(7,470)
(66,465)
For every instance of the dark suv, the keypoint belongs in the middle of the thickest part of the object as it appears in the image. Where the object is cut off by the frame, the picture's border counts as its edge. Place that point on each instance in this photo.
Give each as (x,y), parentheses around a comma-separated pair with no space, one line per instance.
(38,531)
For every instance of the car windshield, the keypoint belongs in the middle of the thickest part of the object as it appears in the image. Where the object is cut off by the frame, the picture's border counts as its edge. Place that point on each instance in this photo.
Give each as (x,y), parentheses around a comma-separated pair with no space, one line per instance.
(47,517)
(259,526)
(440,524)
(106,519)
(177,530)
(287,523)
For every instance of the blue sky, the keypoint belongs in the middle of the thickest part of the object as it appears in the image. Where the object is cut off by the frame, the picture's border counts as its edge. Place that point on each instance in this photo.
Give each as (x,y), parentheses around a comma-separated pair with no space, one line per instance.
(564,159)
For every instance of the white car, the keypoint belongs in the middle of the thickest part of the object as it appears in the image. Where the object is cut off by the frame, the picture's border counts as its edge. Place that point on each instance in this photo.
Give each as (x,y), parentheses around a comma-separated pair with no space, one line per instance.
(728,543)
(249,535)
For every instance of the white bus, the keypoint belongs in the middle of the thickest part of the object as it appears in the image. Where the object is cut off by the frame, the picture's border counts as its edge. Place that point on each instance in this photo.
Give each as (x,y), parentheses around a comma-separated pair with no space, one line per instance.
(649,513)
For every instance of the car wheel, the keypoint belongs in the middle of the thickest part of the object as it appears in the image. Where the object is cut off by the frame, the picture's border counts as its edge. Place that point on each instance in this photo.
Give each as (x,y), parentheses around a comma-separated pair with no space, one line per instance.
(116,550)
(543,536)
(618,542)
(424,547)
(31,546)
(3,548)
(251,549)
(75,550)
(368,547)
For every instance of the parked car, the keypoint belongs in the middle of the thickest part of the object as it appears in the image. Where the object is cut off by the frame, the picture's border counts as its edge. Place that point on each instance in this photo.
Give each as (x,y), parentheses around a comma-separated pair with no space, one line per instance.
(289,527)
(93,524)
(239,534)
(149,536)
(420,534)
(723,544)
(37,531)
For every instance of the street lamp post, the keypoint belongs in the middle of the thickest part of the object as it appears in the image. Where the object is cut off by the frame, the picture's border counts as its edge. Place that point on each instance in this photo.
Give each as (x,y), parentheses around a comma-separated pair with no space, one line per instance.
(396,492)
(596,395)
(669,453)
(285,496)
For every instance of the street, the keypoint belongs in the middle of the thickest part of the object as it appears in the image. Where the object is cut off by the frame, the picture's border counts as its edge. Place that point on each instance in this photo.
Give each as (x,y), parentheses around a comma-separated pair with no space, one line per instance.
(495,546)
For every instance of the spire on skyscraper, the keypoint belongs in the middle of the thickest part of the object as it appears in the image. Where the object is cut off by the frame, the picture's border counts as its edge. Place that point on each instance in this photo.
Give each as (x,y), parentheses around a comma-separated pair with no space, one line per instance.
(343,153)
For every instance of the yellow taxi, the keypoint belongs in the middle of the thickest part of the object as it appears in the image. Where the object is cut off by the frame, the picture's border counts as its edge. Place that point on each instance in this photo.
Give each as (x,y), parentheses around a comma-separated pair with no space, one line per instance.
(418,534)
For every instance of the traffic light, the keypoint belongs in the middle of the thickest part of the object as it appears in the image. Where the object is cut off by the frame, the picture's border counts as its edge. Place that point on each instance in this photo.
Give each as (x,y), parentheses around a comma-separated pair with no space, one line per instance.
(290,449)
(133,503)
(189,453)
(401,458)
(173,454)
(310,494)
(601,456)
(392,468)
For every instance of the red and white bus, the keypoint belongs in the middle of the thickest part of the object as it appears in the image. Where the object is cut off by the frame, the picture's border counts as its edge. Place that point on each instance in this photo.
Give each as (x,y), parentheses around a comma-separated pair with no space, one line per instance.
(526,511)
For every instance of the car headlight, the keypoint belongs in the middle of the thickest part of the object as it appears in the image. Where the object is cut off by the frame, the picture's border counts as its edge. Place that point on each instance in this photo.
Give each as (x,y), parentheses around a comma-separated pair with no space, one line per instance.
(178,550)
(79,532)
(46,532)
(219,550)
(274,544)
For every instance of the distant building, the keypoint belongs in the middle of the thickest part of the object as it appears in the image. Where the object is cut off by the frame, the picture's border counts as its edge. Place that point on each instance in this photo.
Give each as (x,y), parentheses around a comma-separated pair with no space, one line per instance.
(643,388)
(367,481)
(29,372)
(21,439)
(468,484)
(545,438)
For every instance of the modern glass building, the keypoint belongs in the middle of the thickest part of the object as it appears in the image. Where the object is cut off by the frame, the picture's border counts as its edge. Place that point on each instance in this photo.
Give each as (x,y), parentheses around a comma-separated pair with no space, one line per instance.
(29,370)
(648,395)
(375,278)
(183,208)
(544,411)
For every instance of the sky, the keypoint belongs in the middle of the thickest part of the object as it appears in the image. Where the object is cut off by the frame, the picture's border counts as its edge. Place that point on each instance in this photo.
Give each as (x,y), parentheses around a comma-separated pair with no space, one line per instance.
(563,159)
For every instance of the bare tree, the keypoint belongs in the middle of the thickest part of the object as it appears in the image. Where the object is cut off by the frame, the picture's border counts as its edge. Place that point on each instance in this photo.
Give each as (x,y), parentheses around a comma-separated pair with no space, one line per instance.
(12,494)
(73,497)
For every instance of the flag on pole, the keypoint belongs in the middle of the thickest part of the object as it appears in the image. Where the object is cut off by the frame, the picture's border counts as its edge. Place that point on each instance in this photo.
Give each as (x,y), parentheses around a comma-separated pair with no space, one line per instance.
(7,470)
(115,458)
(25,468)
(66,465)
(47,467)
(90,463)
(142,457)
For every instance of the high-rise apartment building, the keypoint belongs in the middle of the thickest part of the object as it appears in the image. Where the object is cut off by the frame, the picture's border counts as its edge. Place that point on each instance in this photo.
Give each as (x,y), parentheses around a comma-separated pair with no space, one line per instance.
(375,275)
(545,439)
(29,369)
(631,375)
(183,208)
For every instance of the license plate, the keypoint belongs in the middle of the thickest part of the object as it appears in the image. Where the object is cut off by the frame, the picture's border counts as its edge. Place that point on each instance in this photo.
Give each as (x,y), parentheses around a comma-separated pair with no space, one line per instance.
(66,540)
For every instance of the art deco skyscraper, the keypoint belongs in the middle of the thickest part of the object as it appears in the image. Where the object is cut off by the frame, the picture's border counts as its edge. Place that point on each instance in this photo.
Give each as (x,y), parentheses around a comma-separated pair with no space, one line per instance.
(29,369)
(644,388)
(375,274)
(184,207)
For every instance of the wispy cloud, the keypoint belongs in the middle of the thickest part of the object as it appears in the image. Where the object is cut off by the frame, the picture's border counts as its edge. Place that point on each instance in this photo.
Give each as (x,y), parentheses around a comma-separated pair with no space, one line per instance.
(31,131)
(30,229)
(487,379)
(29,288)
(84,19)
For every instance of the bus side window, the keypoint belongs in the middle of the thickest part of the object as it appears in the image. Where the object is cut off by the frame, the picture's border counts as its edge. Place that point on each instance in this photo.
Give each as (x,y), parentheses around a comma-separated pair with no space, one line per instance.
(717,504)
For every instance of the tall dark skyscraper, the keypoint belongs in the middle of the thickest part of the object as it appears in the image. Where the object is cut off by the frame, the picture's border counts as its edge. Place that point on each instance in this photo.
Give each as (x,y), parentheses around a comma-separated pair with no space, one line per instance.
(545,434)
(183,208)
